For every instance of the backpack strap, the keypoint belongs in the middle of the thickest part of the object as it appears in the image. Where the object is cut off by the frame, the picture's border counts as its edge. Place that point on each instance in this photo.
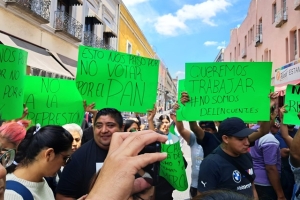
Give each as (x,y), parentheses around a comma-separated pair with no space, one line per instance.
(234,163)
(20,189)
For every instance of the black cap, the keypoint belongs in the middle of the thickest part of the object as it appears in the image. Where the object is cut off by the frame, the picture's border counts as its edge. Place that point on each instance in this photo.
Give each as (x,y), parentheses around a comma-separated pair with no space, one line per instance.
(234,127)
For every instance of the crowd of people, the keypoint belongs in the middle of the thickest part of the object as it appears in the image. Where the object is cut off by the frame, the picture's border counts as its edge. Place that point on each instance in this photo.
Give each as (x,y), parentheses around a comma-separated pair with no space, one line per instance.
(102,159)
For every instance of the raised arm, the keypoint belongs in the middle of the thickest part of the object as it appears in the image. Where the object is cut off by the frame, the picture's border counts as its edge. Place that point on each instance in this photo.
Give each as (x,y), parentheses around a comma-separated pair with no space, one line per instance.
(265,126)
(90,109)
(294,149)
(186,134)
(284,129)
(198,131)
(150,118)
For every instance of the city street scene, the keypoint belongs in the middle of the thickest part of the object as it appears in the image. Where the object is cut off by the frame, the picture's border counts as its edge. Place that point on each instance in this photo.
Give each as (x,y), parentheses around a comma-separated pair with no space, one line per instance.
(150,99)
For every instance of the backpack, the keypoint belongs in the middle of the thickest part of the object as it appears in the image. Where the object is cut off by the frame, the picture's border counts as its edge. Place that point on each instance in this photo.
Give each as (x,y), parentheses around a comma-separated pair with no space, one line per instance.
(20,189)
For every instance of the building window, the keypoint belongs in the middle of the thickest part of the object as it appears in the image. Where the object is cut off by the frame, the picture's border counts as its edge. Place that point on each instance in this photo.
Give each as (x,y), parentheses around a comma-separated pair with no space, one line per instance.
(295,43)
(239,49)
(251,35)
(230,57)
(270,58)
(284,5)
(274,12)
(129,47)
(286,50)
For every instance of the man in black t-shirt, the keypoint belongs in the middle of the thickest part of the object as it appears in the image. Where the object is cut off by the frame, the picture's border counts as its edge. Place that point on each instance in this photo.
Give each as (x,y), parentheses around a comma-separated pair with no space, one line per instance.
(75,180)
(230,165)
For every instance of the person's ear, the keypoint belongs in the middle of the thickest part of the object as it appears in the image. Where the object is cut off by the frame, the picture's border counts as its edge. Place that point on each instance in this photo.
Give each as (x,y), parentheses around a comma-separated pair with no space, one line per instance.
(225,139)
(49,154)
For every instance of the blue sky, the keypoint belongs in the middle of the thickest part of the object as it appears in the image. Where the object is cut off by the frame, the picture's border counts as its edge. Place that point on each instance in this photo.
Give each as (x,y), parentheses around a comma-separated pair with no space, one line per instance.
(183,31)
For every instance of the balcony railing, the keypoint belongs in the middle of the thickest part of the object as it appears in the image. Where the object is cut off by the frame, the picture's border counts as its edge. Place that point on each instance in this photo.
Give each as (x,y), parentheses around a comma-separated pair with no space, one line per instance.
(258,39)
(281,17)
(40,8)
(90,39)
(297,4)
(244,53)
(67,24)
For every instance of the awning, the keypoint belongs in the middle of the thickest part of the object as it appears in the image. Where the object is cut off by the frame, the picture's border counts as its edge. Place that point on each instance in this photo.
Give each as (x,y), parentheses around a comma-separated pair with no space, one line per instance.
(69,63)
(93,18)
(37,57)
(109,32)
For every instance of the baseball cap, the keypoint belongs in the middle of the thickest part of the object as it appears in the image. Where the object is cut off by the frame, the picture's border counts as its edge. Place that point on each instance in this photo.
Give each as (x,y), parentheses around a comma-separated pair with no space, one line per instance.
(234,126)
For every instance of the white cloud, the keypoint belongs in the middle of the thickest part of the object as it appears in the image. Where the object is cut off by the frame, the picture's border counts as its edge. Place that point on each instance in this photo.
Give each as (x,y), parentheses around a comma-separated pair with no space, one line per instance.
(133,2)
(210,43)
(173,24)
(168,24)
(221,47)
(180,74)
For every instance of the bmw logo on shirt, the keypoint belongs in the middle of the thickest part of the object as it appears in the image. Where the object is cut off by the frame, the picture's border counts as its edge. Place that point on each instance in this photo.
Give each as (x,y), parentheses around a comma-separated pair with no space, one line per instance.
(236,175)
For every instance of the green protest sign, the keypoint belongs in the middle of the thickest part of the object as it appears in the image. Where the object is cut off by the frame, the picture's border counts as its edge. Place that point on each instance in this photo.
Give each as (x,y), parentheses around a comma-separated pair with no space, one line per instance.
(172,168)
(12,72)
(221,90)
(272,89)
(292,100)
(52,101)
(112,79)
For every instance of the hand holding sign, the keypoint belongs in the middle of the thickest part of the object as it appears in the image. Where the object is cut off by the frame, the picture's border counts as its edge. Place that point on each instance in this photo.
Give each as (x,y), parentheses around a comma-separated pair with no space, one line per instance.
(173,168)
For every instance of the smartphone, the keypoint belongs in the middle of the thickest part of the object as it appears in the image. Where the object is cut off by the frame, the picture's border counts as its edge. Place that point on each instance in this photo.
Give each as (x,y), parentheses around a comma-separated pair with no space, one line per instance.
(152,169)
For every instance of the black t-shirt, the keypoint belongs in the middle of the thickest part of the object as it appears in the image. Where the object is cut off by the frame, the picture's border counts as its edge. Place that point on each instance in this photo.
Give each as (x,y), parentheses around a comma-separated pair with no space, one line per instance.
(217,173)
(209,142)
(75,179)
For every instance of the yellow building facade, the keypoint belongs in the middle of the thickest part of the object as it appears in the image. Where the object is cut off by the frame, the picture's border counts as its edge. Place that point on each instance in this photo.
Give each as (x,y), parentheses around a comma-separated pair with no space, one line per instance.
(131,39)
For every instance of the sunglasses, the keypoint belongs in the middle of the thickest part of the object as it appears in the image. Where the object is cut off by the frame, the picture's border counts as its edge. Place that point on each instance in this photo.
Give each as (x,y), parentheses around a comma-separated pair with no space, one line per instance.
(7,157)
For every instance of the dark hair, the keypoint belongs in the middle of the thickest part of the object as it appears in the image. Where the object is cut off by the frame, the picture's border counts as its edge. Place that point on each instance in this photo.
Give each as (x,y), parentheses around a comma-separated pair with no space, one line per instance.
(1,120)
(128,123)
(50,136)
(162,117)
(113,113)
(208,124)
(220,195)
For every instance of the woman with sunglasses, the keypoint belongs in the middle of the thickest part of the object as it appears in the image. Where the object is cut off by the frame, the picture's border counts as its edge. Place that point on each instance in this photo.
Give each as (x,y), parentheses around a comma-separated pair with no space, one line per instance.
(41,154)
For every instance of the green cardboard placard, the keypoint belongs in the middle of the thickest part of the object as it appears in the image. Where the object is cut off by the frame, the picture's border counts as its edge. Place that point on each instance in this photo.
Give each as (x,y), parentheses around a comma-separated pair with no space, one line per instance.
(172,168)
(52,101)
(292,100)
(113,79)
(272,89)
(228,89)
(13,63)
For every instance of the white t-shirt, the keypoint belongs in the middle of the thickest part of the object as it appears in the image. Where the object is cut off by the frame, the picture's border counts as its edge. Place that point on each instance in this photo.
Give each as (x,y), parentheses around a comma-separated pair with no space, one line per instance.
(39,190)
(197,157)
